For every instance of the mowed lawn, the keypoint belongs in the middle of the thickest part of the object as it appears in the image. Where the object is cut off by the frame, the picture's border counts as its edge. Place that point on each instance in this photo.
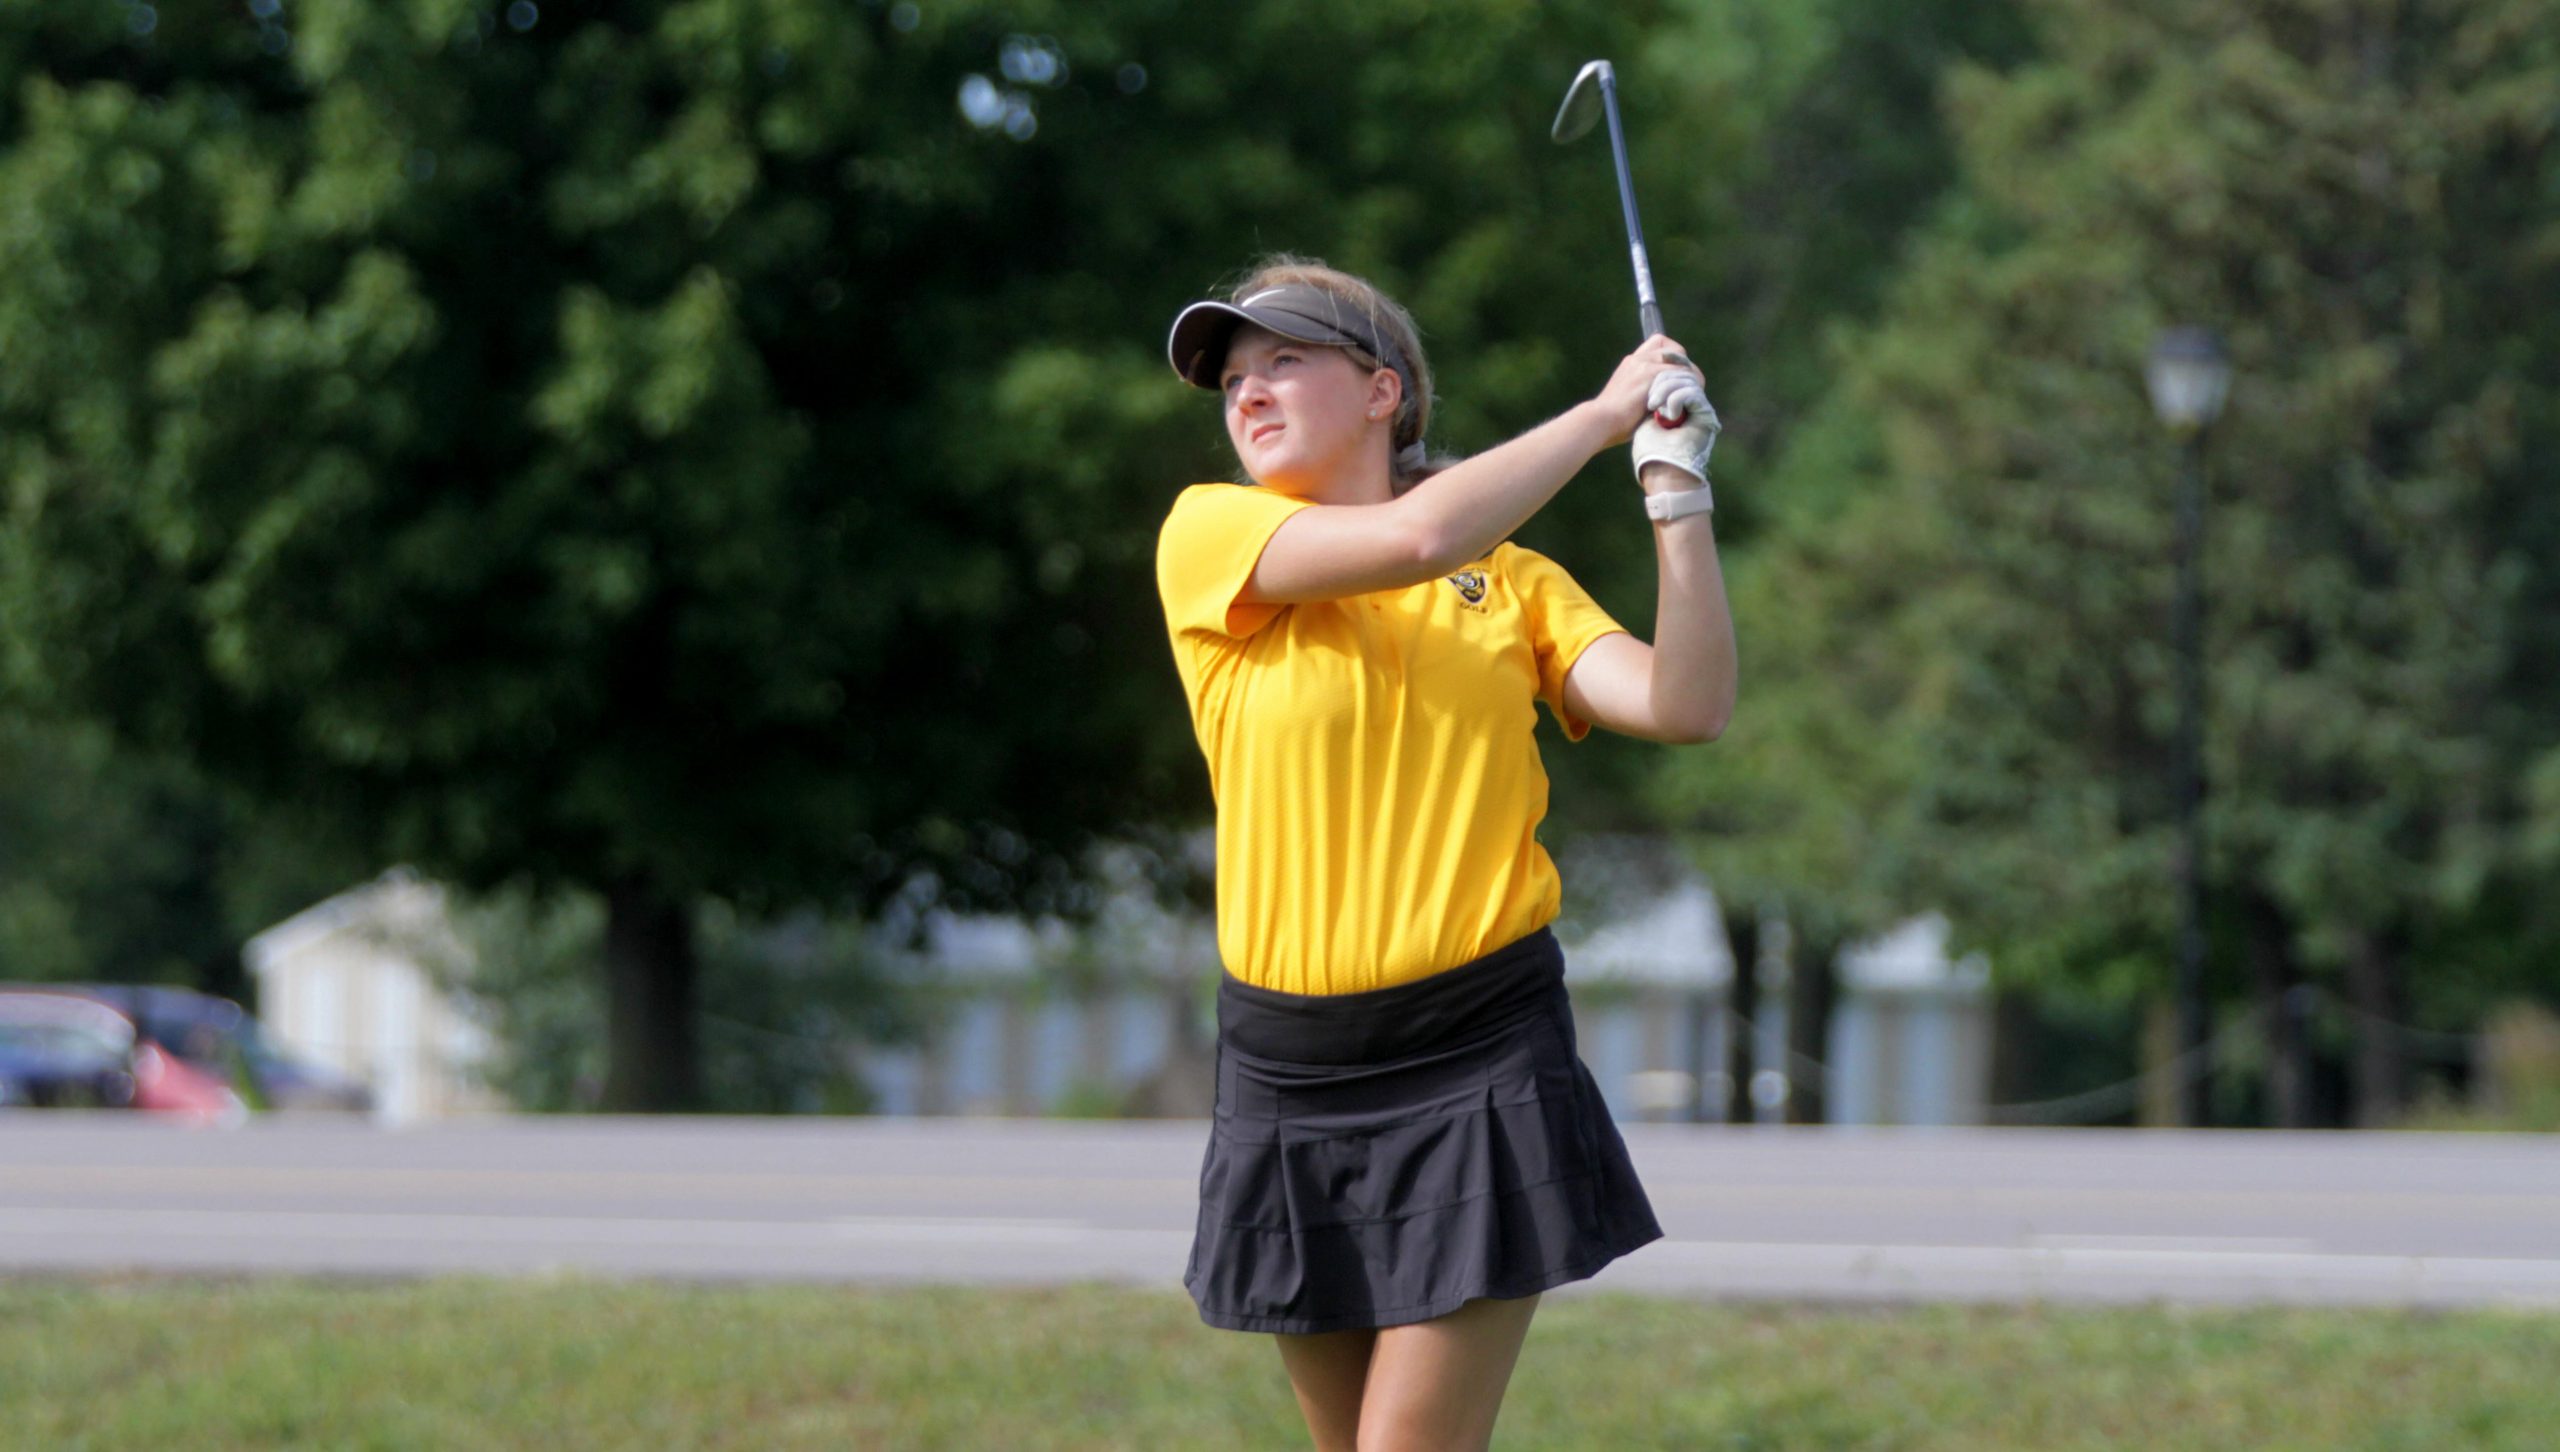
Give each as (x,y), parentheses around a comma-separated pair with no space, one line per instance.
(468,1363)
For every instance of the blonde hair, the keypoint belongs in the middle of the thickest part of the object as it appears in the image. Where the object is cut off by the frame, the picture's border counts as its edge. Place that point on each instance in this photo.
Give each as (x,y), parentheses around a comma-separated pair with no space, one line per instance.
(1408,461)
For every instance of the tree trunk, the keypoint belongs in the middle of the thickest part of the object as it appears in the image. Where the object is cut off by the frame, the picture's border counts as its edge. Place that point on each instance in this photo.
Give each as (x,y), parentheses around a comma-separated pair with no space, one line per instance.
(1812,988)
(2381,1075)
(1742,930)
(2279,977)
(2015,1052)
(652,1066)
(1702,1022)
(2161,1107)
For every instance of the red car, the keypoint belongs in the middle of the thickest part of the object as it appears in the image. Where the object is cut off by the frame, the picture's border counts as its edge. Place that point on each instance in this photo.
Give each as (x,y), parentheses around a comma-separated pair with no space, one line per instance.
(62,1050)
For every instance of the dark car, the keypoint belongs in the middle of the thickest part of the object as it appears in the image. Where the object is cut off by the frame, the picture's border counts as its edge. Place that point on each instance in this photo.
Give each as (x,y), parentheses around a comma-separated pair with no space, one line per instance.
(59,1051)
(220,1037)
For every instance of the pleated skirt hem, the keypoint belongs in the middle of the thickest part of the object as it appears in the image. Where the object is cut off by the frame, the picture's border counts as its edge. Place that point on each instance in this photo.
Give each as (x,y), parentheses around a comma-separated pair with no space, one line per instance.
(1379,1318)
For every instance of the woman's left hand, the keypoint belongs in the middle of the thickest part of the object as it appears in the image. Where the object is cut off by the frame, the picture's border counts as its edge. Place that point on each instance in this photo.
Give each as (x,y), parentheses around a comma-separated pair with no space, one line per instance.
(1628,398)
(1672,444)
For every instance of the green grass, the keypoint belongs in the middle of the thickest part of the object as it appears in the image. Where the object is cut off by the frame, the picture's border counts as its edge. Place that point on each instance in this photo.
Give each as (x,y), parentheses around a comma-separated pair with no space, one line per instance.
(166,1364)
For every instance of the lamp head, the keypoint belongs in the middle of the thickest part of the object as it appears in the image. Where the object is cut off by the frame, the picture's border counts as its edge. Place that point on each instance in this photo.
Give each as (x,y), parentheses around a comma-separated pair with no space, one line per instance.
(2189,374)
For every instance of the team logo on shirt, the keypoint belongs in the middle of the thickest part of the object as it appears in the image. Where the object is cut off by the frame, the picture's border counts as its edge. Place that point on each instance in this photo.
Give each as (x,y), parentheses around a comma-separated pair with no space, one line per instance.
(1470,587)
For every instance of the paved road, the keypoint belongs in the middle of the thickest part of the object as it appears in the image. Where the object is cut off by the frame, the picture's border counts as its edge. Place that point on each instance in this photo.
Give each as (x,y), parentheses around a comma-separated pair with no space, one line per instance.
(1820,1214)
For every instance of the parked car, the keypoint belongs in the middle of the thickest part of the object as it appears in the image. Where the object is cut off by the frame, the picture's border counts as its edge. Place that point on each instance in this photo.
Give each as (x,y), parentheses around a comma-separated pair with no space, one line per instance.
(62,1052)
(221,1038)
(70,1051)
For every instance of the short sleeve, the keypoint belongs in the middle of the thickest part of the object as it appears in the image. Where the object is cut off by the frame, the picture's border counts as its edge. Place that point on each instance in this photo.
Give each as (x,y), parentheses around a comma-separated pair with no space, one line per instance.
(1210,544)
(1563,621)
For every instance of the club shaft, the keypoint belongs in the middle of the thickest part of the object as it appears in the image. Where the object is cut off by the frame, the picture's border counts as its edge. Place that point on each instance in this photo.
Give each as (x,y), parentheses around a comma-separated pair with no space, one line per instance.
(1648,310)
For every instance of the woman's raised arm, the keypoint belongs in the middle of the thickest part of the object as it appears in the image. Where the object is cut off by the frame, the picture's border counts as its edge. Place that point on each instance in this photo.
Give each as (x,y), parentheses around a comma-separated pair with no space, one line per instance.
(1328,551)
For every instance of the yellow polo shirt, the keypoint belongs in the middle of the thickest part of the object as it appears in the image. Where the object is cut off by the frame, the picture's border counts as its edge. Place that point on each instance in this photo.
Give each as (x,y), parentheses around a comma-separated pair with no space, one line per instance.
(1373,758)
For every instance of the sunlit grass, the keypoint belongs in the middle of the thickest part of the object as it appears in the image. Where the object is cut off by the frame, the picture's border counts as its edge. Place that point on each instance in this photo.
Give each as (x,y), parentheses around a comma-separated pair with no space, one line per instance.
(470,1363)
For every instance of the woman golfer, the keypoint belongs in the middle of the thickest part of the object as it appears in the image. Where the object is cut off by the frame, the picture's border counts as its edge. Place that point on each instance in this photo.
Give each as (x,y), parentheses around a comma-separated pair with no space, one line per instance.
(1406,1149)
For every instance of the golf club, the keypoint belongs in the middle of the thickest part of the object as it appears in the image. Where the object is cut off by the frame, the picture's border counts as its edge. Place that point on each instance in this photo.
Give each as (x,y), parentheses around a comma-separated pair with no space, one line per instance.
(1594,94)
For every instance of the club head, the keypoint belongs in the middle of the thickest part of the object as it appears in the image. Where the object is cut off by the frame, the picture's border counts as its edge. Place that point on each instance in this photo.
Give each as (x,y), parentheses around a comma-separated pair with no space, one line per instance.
(1581,109)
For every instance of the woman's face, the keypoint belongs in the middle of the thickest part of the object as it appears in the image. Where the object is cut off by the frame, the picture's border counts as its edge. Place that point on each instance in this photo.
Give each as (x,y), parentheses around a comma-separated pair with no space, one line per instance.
(1303,417)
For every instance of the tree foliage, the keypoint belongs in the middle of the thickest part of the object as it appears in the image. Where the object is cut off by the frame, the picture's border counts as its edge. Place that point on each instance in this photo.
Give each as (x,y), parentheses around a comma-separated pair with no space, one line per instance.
(127,869)
(679,448)
(1975,703)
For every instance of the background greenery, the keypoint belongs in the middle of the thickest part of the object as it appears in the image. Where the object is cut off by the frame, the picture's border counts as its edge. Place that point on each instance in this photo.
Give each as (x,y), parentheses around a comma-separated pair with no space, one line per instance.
(694,464)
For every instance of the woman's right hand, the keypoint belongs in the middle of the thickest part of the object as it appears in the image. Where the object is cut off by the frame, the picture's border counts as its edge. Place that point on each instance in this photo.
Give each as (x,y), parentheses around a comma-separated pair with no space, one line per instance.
(1624,401)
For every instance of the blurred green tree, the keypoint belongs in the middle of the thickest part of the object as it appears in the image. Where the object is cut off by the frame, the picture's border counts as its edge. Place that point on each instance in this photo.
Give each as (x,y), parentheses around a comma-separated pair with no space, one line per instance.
(126,871)
(711,449)
(1972,703)
(1834,153)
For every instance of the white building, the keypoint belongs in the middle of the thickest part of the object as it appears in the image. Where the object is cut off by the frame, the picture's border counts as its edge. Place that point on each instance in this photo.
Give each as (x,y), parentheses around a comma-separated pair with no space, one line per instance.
(1911,1036)
(1117,1016)
(1652,990)
(358,983)
(1039,1018)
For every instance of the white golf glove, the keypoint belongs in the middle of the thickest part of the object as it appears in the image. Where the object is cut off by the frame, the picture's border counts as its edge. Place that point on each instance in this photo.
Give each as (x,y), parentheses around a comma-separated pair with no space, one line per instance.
(1685,442)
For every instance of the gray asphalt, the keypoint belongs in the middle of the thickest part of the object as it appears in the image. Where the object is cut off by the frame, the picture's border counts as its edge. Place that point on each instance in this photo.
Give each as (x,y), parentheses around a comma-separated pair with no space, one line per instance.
(1962,1215)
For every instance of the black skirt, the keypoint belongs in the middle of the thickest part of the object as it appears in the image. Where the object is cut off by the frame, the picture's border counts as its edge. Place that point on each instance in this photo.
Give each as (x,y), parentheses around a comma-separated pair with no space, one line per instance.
(1382,1158)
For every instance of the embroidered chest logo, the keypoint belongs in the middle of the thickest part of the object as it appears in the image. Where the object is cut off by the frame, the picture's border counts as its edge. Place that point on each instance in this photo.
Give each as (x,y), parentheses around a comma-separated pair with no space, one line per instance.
(1470,587)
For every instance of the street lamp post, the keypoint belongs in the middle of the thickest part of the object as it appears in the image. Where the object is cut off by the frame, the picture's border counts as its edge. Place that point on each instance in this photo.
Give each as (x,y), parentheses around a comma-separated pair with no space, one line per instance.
(2189,375)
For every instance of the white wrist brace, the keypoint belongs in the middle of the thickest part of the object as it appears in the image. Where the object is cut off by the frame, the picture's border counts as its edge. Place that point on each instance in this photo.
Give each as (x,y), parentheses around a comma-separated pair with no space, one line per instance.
(1674,504)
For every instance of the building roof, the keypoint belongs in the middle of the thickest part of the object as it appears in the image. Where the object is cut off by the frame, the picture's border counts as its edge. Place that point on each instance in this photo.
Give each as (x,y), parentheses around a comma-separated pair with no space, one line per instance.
(1675,940)
(1912,958)
(399,906)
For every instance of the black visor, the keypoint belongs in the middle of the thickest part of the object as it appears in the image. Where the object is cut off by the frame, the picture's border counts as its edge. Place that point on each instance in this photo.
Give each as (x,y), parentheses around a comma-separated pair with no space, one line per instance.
(1198,346)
